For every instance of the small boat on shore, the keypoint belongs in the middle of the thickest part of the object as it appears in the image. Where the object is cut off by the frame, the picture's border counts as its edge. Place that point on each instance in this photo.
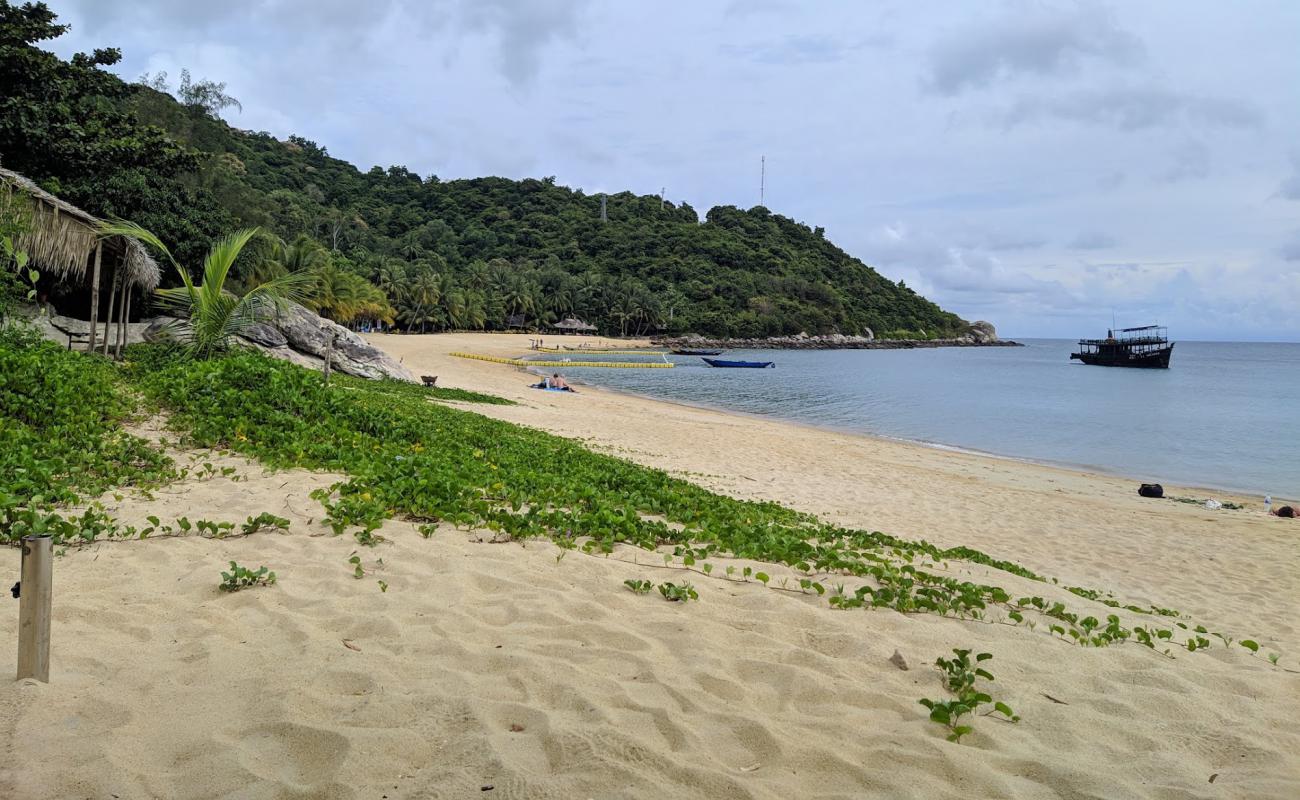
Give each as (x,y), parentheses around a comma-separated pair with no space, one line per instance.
(1146,347)
(696,352)
(718,362)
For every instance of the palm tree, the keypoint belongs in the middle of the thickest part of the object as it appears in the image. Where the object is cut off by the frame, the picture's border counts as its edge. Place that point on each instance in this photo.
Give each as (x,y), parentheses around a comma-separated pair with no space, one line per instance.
(210,315)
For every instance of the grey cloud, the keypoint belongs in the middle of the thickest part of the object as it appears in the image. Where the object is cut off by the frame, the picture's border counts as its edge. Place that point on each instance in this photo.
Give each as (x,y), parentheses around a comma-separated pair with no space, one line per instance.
(1133,108)
(1092,240)
(749,8)
(1191,160)
(1037,41)
(524,27)
(1290,251)
(1290,188)
(803,49)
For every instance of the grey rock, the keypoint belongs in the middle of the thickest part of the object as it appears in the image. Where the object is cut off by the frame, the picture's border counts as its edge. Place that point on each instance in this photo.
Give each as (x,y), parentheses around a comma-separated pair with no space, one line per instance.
(266,335)
(982,332)
(900,661)
(310,334)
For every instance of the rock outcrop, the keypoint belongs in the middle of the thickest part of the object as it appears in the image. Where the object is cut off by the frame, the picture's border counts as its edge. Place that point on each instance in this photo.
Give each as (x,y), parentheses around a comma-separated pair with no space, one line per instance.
(980,334)
(297,335)
(310,334)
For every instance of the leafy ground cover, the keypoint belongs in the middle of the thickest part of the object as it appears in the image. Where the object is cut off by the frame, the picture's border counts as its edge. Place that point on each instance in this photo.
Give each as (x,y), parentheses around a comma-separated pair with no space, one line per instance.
(423,392)
(61,440)
(61,437)
(430,464)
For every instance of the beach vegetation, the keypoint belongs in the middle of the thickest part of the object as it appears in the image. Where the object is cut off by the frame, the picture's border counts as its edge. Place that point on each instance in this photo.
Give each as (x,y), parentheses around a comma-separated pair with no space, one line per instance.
(678,594)
(434,465)
(239,578)
(209,315)
(959,675)
(639,585)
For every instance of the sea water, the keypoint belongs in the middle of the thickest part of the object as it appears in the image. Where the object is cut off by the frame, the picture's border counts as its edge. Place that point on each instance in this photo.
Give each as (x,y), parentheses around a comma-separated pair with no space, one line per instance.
(1225,414)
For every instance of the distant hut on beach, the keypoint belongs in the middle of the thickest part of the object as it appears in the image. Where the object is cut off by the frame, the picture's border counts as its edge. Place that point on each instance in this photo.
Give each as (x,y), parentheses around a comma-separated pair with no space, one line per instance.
(64,244)
(572,325)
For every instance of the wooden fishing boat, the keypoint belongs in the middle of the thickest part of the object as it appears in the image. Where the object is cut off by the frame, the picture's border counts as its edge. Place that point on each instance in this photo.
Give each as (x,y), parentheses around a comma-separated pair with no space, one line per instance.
(1145,347)
(718,362)
(696,352)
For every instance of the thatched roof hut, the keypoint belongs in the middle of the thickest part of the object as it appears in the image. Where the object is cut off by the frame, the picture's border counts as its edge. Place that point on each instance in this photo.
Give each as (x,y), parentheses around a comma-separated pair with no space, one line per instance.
(62,239)
(572,325)
(64,242)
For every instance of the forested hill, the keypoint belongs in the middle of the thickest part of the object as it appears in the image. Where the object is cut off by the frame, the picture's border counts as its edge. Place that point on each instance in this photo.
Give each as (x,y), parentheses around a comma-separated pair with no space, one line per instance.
(430,254)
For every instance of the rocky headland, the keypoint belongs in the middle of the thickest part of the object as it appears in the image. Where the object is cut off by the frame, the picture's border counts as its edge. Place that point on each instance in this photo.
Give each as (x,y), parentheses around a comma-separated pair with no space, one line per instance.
(980,334)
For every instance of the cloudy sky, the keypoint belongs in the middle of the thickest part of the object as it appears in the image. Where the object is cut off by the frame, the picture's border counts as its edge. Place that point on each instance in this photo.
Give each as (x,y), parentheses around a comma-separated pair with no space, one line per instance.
(1041,165)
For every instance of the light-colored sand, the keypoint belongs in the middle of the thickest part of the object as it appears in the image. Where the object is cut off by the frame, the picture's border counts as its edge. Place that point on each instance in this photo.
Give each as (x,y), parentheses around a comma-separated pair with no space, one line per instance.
(497,664)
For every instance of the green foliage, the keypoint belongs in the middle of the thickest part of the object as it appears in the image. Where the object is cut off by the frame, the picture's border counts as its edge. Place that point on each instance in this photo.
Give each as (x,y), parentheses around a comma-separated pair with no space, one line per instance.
(640,586)
(959,676)
(675,593)
(239,578)
(264,521)
(210,315)
(416,390)
(18,279)
(61,437)
(425,253)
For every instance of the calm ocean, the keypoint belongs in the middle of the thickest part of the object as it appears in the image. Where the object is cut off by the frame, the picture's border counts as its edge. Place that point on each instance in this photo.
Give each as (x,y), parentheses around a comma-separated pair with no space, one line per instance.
(1225,415)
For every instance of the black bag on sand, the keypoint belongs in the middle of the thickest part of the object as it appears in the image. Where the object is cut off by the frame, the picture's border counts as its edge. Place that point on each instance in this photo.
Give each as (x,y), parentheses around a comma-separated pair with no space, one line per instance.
(1152,490)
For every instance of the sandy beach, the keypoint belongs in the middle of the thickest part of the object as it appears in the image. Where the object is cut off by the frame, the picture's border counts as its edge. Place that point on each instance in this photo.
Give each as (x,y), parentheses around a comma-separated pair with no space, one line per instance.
(520,671)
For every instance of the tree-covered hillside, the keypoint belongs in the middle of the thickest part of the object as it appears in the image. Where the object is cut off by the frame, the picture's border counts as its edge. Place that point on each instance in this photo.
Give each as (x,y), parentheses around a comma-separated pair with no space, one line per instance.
(425,253)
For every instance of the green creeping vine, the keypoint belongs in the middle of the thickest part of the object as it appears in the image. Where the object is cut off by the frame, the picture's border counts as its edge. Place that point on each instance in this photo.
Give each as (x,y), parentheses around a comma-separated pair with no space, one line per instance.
(431,464)
(640,586)
(959,676)
(675,593)
(61,438)
(241,578)
(419,392)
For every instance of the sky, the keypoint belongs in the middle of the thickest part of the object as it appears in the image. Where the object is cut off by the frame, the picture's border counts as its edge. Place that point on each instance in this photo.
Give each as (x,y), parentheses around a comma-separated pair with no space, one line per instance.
(1040,165)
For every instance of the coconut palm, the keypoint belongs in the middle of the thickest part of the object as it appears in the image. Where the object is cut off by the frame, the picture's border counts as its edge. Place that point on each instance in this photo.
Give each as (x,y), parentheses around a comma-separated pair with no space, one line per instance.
(209,314)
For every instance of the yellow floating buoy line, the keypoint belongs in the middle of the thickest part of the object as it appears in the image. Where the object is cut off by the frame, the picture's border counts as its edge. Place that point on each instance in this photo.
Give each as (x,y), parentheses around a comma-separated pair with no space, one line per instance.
(520,362)
(595,351)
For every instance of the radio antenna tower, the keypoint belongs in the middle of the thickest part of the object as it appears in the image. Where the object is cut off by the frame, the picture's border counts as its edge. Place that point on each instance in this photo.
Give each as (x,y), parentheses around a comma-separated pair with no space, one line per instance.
(762,179)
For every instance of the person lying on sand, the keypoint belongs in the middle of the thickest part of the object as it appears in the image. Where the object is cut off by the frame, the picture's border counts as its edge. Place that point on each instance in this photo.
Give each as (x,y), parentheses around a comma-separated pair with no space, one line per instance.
(554,383)
(1285,511)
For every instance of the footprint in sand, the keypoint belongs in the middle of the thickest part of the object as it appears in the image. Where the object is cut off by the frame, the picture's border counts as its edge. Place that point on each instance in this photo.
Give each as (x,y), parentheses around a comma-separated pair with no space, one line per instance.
(298,756)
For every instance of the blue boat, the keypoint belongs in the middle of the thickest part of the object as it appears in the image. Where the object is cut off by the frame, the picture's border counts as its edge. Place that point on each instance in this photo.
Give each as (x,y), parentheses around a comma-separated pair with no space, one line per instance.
(718,362)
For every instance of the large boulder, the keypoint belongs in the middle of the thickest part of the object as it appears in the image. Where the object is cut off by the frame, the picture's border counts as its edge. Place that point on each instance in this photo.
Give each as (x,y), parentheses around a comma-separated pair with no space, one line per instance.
(302,337)
(311,334)
(982,332)
(265,335)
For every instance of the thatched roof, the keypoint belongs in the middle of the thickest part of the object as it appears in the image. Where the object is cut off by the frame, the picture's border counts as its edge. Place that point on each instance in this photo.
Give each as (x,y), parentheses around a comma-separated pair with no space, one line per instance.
(572,324)
(62,237)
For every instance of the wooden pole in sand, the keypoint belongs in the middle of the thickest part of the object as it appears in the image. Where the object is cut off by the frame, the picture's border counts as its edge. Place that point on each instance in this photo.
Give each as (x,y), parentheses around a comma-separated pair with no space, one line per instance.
(121,328)
(108,319)
(34,608)
(329,356)
(94,296)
